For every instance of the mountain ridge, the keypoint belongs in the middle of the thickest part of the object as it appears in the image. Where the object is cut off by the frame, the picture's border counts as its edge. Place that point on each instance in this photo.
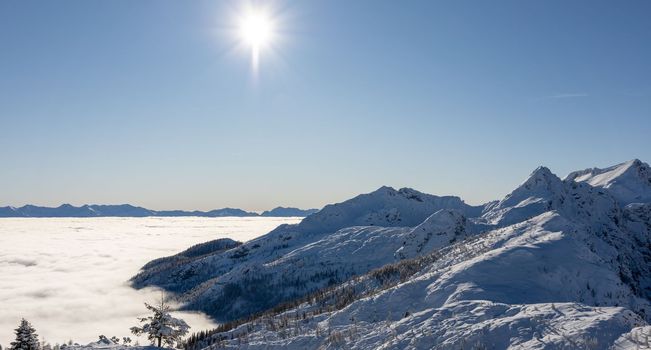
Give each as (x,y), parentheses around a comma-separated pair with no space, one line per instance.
(629,182)
(128,210)
(555,264)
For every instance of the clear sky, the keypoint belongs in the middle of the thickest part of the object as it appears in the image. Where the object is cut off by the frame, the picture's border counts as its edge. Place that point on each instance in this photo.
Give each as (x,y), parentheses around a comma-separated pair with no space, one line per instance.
(155,103)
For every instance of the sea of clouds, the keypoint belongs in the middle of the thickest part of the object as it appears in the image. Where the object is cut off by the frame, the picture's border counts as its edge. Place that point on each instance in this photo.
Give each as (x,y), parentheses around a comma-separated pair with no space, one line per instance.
(68,276)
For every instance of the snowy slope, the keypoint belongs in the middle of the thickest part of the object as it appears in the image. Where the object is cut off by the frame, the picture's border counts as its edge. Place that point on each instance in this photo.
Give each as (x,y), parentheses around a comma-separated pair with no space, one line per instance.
(556,264)
(544,191)
(326,248)
(628,182)
(474,324)
(193,253)
(636,339)
(544,283)
(107,344)
(385,207)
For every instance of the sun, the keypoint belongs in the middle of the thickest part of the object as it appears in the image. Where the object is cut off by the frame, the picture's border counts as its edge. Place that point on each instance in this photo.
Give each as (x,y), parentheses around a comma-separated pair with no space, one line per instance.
(256,29)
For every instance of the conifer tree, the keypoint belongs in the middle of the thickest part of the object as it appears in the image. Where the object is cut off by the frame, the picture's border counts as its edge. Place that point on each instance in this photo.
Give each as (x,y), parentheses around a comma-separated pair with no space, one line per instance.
(26,337)
(161,327)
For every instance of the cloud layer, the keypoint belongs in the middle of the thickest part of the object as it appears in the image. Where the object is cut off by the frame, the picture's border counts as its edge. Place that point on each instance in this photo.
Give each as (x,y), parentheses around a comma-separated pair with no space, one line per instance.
(68,276)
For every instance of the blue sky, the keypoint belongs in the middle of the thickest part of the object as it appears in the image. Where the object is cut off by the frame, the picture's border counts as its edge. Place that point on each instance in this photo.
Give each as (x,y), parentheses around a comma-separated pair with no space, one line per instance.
(153,103)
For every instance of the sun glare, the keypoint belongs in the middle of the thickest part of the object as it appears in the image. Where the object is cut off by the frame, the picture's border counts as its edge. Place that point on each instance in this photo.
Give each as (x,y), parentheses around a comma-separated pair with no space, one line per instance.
(256,31)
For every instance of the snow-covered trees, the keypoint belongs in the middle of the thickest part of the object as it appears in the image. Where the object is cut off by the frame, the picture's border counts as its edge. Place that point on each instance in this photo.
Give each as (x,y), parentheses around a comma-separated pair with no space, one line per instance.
(26,337)
(161,327)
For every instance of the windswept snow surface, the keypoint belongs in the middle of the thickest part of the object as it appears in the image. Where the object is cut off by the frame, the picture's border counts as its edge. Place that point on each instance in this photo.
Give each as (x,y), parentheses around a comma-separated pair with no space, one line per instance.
(556,264)
(637,339)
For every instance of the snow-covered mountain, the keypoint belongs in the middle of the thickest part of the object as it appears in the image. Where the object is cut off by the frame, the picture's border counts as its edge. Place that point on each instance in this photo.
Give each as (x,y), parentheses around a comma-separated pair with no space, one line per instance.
(67,210)
(287,212)
(384,207)
(556,264)
(543,191)
(338,242)
(628,182)
(193,253)
(215,213)
(127,210)
(6,212)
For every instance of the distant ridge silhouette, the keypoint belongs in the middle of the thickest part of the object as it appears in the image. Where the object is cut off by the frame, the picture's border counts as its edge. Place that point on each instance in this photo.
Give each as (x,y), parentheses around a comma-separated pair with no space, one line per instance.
(127,210)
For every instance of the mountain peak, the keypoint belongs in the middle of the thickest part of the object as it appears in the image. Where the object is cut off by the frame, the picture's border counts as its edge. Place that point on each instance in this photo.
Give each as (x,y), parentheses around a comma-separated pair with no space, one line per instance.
(637,165)
(541,172)
(385,190)
(636,162)
(541,177)
(385,206)
(631,165)
(533,197)
(628,182)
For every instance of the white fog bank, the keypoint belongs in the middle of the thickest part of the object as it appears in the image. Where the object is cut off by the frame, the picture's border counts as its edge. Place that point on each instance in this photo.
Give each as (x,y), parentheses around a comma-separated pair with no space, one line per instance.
(68,276)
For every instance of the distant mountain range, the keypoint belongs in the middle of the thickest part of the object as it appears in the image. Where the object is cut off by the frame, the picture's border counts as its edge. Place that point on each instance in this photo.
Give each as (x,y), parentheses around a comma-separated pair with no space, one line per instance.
(127,210)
